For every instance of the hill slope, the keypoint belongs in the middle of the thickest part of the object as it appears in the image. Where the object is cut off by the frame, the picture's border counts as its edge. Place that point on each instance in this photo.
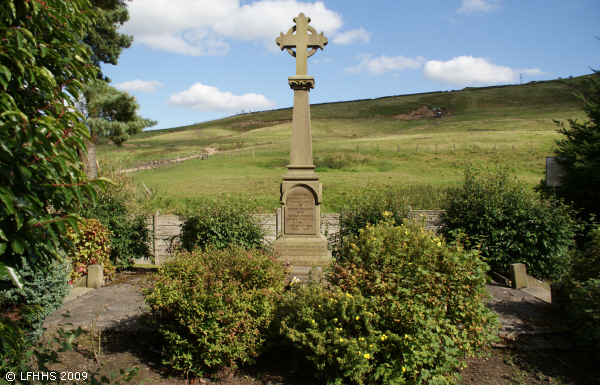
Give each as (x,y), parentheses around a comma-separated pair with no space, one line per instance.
(360,143)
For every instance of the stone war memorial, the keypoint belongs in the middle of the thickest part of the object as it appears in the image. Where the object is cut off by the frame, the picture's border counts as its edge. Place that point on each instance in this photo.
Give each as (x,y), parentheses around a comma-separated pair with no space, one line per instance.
(302,242)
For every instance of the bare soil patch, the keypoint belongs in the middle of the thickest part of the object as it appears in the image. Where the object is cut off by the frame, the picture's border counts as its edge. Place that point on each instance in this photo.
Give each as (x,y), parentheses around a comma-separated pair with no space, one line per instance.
(143,351)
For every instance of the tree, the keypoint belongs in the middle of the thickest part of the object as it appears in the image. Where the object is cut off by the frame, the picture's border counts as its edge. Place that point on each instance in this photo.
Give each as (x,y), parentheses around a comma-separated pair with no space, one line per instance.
(103,40)
(579,154)
(109,112)
(43,66)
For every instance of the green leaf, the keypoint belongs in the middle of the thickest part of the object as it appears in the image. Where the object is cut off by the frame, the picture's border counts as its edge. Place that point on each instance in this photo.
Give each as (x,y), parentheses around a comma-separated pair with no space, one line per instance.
(17,245)
(6,271)
(19,218)
(25,173)
(8,203)
(72,221)
(10,124)
(44,50)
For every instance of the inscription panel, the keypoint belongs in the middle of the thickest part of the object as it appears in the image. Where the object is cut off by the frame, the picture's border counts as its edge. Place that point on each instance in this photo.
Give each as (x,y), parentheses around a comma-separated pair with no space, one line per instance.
(300,216)
(302,250)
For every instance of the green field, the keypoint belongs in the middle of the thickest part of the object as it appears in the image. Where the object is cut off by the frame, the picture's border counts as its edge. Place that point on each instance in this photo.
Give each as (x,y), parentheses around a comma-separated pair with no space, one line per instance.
(358,143)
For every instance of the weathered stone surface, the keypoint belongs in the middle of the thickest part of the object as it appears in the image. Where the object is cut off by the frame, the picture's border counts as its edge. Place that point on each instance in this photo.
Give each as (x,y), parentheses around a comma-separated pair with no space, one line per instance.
(300,212)
(95,276)
(302,243)
(518,275)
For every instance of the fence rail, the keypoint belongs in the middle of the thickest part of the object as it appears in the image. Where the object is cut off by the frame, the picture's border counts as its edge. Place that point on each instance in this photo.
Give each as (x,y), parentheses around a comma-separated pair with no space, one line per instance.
(135,165)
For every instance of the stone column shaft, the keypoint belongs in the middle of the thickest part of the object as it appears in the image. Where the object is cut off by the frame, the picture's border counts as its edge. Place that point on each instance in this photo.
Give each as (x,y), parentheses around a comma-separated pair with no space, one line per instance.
(301,150)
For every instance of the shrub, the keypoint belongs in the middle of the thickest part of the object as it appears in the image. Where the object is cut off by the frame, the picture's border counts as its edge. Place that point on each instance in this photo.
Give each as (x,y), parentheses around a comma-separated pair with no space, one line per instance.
(91,247)
(583,289)
(219,224)
(510,224)
(585,263)
(368,206)
(213,307)
(44,289)
(408,306)
(583,308)
(117,211)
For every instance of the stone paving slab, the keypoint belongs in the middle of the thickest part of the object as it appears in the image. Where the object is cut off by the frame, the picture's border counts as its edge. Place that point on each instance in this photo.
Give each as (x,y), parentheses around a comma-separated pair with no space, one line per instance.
(539,293)
(112,307)
(526,321)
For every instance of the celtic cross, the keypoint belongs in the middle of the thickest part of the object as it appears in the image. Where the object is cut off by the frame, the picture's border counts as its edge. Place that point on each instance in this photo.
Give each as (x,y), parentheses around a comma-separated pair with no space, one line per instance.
(301,193)
(302,41)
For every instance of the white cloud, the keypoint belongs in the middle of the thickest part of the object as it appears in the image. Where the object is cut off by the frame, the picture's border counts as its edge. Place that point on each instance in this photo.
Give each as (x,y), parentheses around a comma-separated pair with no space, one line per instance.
(467,70)
(359,35)
(209,99)
(384,64)
(326,61)
(148,86)
(202,27)
(477,6)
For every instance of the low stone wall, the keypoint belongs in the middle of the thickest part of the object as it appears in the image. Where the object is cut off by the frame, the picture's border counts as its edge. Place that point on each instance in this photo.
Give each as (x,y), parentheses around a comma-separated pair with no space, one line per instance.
(167,228)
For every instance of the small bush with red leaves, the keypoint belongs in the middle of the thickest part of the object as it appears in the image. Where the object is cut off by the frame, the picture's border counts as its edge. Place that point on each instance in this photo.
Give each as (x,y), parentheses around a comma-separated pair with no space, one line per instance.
(213,307)
(92,247)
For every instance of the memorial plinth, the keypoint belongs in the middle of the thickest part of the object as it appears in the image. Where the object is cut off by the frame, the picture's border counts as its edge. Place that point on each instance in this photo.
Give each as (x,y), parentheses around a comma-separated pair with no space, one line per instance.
(301,193)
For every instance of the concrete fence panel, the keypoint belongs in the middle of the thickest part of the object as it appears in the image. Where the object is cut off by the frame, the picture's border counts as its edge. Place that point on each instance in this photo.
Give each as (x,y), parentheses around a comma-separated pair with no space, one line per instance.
(166,229)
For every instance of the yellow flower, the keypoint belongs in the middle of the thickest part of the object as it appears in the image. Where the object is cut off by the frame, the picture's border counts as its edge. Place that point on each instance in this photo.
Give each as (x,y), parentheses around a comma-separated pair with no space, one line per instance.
(319,305)
(406,336)
(439,244)
(341,339)
(313,321)
(403,369)
(362,339)
(383,337)
(357,318)
(367,356)
(335,319)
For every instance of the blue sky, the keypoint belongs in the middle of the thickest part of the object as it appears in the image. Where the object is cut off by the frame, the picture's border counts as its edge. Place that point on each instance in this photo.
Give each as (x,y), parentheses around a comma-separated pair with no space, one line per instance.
(198,60)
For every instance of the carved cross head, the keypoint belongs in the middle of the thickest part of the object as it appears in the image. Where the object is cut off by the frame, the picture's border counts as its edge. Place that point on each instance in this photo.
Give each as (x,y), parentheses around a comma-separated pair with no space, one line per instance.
(301,41)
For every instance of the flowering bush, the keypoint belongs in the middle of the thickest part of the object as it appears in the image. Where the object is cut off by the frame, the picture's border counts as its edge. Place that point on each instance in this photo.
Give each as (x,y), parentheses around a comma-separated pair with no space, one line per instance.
(213,307)
(117,210)
(91,247)
(407,306)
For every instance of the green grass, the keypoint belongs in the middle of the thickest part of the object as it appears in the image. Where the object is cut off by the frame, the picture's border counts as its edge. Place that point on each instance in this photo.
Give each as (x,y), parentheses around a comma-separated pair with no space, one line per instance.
(509,125)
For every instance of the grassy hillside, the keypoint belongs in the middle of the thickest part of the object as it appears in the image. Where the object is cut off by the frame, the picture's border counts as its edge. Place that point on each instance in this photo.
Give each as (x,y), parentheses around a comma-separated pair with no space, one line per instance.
(360,143)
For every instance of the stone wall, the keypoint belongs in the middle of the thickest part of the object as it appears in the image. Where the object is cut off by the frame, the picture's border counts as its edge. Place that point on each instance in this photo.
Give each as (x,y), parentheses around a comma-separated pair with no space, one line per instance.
(166,229)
